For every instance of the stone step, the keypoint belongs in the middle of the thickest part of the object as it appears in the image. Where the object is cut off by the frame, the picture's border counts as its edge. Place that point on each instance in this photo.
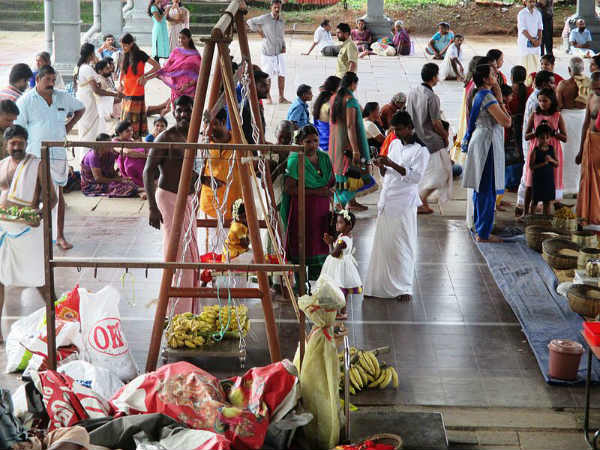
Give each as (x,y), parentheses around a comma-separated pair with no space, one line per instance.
(29,25)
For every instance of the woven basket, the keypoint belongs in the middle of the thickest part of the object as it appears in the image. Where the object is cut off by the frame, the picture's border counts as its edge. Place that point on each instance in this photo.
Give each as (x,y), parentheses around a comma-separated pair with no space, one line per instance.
(584,299)
(386,438)
(535,235)
(551,252)
(564,224)
(585,254)
(585,238)
(536,219)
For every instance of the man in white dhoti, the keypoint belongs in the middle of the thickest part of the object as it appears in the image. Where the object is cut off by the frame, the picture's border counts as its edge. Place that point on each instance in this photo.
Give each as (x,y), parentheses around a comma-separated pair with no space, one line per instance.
(392,265)
(572,95)
(43,112)
(21,245)
(105,104)
(271,28)
(529,27)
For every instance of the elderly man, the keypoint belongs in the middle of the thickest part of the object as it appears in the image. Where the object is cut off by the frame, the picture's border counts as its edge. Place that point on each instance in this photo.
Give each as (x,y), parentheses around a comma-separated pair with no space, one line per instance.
(43,111)
(588,200)
(529,26)
(423,105)
(347,60)
(17,82)
(397,103)
(323,41)
(572,97)
(271,28)
(580,40)
(21,248)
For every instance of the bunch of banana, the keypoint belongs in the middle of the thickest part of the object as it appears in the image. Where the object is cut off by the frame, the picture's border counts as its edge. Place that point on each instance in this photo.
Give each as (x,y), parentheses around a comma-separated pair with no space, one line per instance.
(186,330)
(367,373)
(233,318)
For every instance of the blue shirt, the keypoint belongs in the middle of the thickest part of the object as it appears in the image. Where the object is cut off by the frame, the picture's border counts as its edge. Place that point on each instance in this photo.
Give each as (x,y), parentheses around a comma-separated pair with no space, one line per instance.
(580,38)
(442,41)
(149,138)
(298,112)
(46,122)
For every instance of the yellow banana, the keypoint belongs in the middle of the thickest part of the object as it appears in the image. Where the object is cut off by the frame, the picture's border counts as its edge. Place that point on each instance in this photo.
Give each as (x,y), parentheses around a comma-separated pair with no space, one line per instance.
(378,381)
(352,391)
(190,344)
(355,377)
(387,379)
(362,359)
(375,363)
(363,375)
(394,378)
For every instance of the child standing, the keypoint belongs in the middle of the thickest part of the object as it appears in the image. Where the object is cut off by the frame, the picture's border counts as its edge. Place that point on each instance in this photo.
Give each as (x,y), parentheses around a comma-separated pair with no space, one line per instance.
(547,111)
(542,161)
(340,265)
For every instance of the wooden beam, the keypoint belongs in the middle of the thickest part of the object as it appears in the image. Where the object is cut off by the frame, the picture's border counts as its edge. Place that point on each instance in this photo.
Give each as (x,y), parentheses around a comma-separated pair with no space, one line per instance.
(176,145)
(180,204)
(220,29)
(214,293)
(212,223)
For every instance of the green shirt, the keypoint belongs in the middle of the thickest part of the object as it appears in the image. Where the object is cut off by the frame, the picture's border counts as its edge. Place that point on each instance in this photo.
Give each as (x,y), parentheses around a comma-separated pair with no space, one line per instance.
(348,53)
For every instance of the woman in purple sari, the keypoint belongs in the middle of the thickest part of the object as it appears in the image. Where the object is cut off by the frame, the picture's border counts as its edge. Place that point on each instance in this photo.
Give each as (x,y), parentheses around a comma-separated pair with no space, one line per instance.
(181,71)
(98,174)
(131,160)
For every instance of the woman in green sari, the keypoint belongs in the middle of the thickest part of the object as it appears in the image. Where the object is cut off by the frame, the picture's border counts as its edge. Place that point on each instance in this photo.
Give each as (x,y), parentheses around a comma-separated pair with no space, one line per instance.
(348,143)
(319,182)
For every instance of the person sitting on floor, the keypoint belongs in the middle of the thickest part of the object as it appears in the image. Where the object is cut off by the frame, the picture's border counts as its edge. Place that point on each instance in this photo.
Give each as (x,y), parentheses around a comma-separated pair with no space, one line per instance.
(401,39)
(323,41)
(580,40)
(440,41)
(99,177)
(373,129)
(298,112)
(131,160)
(363,38)
(21,257)
(160,125)
(452,67)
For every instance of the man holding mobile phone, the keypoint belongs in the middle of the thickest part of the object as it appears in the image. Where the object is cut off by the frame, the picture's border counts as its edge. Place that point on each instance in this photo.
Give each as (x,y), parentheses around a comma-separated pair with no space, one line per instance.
(530,26)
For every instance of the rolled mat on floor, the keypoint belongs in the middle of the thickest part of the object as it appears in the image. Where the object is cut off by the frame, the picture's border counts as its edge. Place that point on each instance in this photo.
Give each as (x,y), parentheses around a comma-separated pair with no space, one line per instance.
(530,289)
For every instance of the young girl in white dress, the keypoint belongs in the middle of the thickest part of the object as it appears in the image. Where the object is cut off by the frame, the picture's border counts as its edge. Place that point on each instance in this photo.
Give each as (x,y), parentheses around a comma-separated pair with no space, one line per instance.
(340,265)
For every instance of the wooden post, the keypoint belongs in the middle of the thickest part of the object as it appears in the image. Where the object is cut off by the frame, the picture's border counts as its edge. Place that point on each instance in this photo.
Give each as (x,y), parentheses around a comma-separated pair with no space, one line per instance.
(302,246)
(215,86)
(247,194)
(50,296)
(245,52)
(183,189)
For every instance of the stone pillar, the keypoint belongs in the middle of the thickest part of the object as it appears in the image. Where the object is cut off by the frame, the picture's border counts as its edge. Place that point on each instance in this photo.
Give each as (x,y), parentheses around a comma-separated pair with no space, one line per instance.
(67,36)
(111,18)
(379,24)
(139,23)
(48,27)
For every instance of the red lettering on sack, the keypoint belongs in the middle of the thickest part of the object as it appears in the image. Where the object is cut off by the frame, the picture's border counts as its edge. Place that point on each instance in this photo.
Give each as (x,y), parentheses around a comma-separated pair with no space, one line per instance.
(107,337)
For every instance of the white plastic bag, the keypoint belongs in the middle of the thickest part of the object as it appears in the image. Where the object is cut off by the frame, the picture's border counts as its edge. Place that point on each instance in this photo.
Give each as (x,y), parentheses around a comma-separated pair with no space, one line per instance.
(17,356)
(103,339)
(102,381)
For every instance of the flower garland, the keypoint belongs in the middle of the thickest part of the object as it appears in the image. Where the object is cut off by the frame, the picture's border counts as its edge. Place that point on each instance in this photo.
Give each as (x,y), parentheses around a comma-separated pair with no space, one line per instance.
(235,212)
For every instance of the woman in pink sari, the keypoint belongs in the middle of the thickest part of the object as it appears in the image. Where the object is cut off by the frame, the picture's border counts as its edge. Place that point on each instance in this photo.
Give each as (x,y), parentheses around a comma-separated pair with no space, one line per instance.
(181,71)
(131,161)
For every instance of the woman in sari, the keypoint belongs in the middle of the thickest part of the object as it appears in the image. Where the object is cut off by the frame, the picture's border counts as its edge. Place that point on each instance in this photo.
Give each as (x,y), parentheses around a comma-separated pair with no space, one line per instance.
(88,84)
(178,19)
(99,177)
(348,143)
(132,81)
(484,167)
(180,72)
(321,110)
(131,160)
(319,180)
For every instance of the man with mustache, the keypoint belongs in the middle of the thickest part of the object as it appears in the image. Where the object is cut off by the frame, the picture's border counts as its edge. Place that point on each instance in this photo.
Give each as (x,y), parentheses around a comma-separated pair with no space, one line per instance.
(161,201)
(43,112)
(22,248)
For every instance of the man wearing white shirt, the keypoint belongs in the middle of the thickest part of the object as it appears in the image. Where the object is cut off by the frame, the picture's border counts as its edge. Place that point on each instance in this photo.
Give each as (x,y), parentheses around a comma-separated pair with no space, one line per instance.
(43,112)
(529,40)
(392,266)
(323,40)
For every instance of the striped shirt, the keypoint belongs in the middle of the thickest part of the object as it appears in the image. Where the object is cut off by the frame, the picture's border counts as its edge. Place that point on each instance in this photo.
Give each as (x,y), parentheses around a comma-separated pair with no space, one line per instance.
(10,93)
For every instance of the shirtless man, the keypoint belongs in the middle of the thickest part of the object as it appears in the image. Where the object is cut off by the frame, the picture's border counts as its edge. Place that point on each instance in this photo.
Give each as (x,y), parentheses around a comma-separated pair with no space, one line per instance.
(161,201)
(21,256)
(572,97)
(567,91)
(588,204)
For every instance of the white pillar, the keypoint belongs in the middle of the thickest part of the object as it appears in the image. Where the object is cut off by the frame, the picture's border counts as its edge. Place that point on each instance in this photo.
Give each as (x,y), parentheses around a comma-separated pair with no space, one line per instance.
(378,23)
(139,23)
(112,18)
(67,36)
(48,27)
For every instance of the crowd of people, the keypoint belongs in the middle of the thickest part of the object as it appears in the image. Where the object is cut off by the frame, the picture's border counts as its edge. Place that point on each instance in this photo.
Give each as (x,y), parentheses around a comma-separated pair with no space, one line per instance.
(534,132)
